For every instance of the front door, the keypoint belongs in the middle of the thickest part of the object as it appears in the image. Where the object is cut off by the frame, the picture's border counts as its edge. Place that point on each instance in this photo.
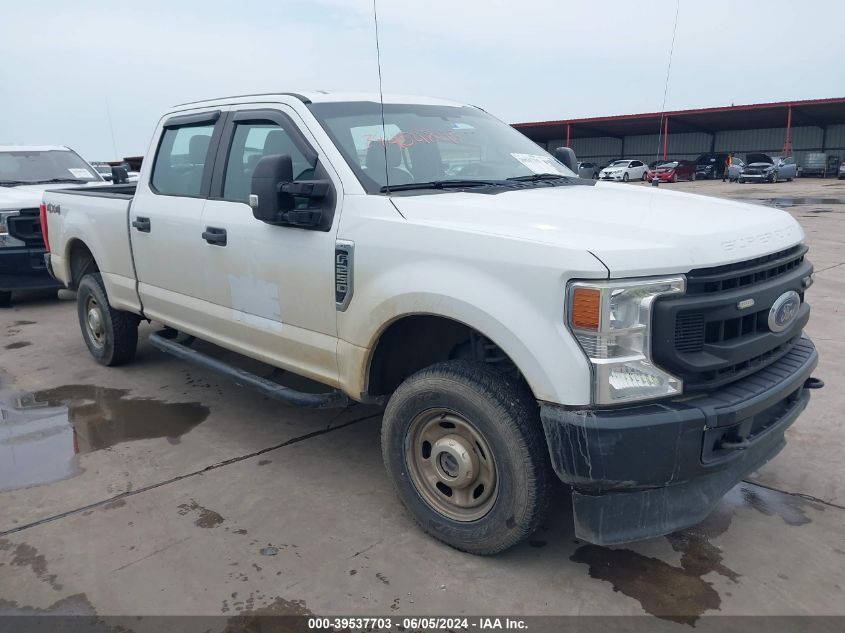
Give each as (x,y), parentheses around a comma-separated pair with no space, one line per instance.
(270,288)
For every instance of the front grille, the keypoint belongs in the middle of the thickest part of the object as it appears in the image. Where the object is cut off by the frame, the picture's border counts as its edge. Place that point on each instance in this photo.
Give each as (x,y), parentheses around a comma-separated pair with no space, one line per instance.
(705,338)
(747,273)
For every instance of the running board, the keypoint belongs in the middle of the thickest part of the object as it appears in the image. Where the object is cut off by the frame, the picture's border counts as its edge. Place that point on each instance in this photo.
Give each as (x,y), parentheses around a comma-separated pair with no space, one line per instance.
(330,400)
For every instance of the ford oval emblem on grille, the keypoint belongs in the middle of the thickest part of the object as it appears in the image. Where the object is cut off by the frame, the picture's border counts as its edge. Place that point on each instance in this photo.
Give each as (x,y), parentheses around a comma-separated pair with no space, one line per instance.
(784,310)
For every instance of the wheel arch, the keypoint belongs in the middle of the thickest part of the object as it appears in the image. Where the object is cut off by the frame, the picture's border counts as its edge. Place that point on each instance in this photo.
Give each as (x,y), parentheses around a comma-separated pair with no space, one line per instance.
(80,262)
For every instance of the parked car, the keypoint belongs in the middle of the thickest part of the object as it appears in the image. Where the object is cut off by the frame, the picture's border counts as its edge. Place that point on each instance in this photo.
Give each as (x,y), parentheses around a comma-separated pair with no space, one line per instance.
(815,164)
(711,165)
(588,170)
(103,168)
(557,327)
(25,172)
(764,168)
(842,170)
(624,170)
(672,171)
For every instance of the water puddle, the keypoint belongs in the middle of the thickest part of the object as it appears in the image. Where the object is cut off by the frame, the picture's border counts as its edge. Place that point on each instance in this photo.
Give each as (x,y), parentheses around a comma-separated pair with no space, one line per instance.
(43,433)
(787,202)
(680,593)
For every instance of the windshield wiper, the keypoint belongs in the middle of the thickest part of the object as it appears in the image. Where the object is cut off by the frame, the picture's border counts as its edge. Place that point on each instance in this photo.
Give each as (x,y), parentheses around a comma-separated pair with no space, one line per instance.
(13,183)
(536,177)
(444,184)
(51,180)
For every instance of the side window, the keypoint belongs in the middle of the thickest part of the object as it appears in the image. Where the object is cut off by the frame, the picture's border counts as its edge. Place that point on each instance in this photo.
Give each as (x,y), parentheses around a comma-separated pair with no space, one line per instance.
(180,160)
(250,143)
(636,163)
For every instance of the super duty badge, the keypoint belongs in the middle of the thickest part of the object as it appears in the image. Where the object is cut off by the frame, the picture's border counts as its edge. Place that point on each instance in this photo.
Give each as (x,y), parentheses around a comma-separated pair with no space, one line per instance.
(343,269)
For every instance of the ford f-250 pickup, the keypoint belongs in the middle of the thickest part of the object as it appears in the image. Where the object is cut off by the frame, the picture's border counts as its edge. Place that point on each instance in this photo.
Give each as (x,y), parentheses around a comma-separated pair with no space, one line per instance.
(25,172)
(645,346)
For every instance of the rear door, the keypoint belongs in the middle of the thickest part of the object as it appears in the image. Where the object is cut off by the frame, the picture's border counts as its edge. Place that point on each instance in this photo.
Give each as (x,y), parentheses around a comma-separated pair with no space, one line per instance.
(165,219)
(270,289)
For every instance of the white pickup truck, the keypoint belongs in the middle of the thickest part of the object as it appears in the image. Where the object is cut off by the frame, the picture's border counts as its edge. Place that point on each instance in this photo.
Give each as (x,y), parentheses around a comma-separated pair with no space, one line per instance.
(645,346)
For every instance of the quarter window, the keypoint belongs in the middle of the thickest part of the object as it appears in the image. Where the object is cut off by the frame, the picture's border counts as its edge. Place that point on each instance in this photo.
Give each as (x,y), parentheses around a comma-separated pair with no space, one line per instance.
(181,160)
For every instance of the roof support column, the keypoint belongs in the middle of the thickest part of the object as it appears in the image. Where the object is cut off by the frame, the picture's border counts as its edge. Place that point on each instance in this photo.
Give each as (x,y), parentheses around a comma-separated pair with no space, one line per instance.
(665,137)
(787,146)
(567,134)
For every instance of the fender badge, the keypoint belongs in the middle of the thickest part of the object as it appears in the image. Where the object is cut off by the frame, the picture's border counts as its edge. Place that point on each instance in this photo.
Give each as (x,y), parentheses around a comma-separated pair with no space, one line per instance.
(745,303)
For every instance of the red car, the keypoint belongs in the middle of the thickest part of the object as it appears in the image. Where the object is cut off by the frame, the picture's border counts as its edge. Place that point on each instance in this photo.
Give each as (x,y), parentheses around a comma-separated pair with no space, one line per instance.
(672,171)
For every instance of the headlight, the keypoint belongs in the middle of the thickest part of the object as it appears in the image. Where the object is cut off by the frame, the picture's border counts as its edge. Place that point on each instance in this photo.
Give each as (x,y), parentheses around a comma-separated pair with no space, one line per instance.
(612,322)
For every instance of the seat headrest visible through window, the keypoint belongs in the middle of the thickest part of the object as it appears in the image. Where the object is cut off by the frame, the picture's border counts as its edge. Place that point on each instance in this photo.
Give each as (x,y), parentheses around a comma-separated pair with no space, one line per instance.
(198,148)
(278,142)
(376,152)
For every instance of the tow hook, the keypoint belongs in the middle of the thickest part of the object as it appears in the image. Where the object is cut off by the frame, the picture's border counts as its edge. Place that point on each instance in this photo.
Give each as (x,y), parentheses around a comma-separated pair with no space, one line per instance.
(813,383)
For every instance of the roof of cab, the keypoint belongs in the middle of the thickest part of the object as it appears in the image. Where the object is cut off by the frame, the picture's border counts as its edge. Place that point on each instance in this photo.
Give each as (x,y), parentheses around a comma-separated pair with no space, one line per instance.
(33,148)
(320,96)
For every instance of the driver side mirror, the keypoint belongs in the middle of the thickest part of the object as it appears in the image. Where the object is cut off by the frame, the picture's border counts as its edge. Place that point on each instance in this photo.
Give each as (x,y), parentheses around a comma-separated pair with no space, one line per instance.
(119,175)
(276,198)
(567,156)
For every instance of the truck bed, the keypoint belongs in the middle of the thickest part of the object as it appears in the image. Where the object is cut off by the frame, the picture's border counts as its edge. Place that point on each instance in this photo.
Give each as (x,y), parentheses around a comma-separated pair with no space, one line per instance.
(93,220)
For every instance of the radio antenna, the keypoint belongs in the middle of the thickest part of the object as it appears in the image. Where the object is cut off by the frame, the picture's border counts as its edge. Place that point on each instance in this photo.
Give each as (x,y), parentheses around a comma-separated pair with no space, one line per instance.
(661,132)
(111,129)
(381,101)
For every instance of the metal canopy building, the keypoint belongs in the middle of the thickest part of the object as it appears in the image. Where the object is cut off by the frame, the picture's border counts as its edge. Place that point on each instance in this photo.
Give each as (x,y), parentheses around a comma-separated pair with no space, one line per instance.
(788,127)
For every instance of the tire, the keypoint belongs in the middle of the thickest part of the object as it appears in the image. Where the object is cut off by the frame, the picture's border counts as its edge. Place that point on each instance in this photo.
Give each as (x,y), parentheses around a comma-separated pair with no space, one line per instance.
(674,177)
(774,177)
(111,335)
(595,176)
(625,177)
(644,176)
(692,178)
(505,417)
(5,298)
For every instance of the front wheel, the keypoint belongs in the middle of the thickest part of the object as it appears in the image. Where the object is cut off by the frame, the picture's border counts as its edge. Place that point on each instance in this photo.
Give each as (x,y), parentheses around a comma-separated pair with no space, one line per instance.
(465,449)
(111,335)
(692,178)
(625,177)
(644,176)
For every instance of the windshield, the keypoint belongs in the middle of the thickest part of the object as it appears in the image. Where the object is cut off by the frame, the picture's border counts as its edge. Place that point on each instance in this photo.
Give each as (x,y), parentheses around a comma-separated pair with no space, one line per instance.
(30,166)
(668,165)
(102,169)
(427,143)
(619,163)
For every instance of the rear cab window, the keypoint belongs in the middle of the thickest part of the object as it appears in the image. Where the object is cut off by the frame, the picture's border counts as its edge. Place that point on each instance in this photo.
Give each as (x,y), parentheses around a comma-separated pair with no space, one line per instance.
(182,157)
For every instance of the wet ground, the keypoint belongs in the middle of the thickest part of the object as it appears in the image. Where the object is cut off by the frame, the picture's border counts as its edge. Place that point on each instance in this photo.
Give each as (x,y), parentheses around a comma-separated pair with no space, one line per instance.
(159,488)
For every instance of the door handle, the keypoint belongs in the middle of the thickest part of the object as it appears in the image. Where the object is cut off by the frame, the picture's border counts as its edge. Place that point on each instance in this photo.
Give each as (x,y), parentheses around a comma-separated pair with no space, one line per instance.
(142,224)
(214,235)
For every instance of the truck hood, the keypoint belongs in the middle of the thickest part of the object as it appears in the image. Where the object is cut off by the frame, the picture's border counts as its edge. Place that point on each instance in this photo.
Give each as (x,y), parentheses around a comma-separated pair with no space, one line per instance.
(633,230)
(29,196)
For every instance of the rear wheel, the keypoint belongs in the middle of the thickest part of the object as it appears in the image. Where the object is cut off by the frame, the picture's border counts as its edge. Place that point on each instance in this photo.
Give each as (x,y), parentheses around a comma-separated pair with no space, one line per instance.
(465,449)
(111,335)
(5,298)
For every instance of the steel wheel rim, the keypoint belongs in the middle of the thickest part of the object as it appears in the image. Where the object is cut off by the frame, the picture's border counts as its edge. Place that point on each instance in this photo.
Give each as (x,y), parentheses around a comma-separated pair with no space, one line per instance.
(451,465)
(94,324)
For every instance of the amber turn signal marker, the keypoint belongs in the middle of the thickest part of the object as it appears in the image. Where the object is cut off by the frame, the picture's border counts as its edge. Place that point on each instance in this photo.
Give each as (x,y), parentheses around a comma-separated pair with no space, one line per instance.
(585,308)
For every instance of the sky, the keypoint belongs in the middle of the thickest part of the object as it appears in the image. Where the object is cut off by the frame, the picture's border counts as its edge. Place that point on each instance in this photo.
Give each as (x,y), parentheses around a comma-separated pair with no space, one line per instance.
(96,76)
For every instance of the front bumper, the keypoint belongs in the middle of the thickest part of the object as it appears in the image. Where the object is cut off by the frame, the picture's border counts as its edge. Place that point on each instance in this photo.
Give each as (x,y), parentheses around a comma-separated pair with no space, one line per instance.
(648,470)
(611,177)
(23,268)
